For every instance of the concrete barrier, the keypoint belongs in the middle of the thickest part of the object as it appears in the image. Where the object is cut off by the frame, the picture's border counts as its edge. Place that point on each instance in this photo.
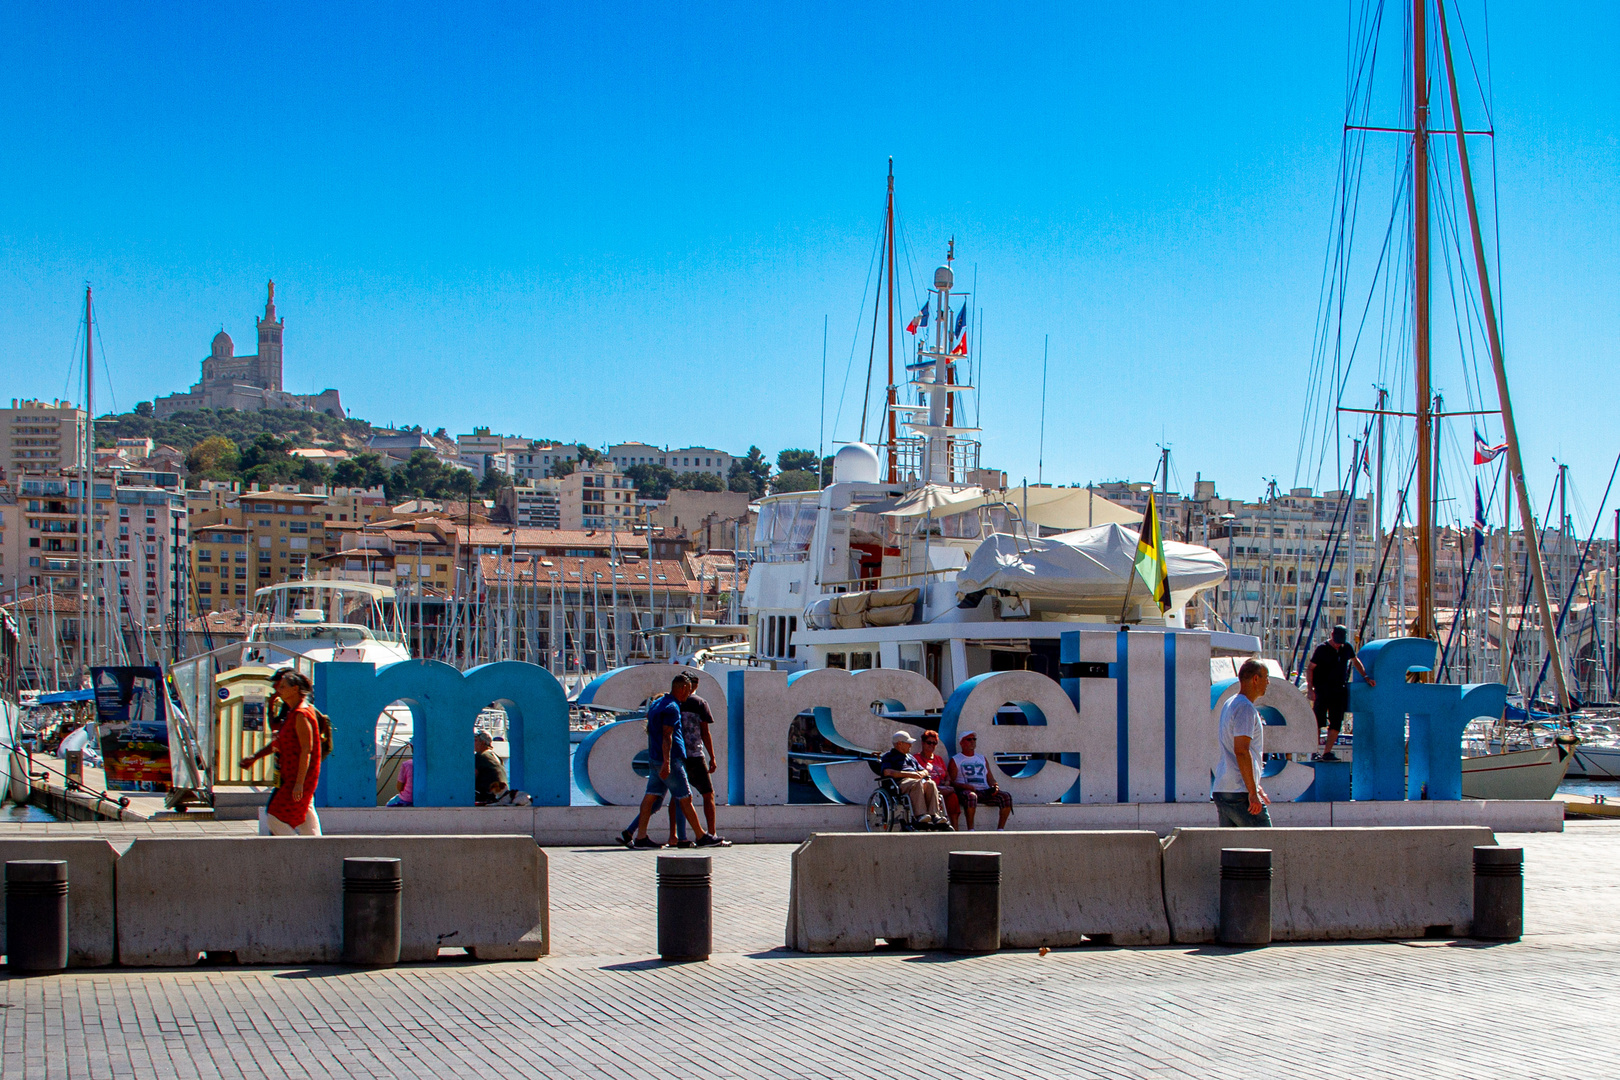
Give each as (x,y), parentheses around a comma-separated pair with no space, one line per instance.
(850,889)
(1332,884)
(794,823)
(279,900)
(92,940)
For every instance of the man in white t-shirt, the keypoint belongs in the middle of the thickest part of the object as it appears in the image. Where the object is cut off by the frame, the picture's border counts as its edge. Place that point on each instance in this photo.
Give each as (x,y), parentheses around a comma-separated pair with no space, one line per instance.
(1236,791)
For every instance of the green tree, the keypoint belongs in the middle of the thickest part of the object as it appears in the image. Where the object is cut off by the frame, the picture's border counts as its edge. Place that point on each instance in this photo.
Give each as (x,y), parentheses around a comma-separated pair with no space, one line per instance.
(795,479)
(651,481)
(699,481)
(561,467)
(366,470)
(750,473)
(589,455)
(215,458)
(143,408)
(461,484)
(826,470)
(493,483)
(788,460)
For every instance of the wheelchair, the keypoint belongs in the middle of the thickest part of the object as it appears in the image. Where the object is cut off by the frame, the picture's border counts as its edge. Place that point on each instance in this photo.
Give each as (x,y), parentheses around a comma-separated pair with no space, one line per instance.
(888,809)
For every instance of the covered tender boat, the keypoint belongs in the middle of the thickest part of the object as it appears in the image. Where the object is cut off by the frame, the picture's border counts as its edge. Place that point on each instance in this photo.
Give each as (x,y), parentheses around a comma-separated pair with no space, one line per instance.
(1082,570)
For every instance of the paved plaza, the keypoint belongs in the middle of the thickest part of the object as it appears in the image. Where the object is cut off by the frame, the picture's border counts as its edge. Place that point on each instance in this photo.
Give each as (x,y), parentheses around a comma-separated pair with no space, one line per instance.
(601,1006)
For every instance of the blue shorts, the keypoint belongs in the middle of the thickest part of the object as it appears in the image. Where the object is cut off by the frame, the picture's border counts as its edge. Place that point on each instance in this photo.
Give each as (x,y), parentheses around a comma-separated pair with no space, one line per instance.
(675,786)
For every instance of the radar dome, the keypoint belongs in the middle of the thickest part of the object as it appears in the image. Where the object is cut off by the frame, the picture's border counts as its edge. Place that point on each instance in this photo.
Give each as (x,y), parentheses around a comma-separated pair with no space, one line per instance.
(856,463)
(943,278)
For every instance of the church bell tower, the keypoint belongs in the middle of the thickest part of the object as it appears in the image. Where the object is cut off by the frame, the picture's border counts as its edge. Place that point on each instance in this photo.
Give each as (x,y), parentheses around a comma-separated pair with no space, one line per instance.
(270,344)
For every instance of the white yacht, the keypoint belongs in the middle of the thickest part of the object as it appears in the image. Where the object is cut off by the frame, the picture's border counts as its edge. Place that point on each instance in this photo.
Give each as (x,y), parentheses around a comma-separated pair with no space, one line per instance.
(916,558)
(318,621)
(223,695)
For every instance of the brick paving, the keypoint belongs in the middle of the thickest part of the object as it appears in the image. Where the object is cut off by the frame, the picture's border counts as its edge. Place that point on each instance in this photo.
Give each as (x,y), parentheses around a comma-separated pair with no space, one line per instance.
(601,1007)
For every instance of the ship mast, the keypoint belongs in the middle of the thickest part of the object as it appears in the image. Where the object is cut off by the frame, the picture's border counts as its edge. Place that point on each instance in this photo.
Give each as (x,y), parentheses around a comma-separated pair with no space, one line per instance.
(87,489)
(888,230)
(1532,542)
(1420,285)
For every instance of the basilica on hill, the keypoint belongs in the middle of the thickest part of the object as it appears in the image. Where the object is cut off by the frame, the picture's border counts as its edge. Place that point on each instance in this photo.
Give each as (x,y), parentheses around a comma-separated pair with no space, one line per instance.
(247,383)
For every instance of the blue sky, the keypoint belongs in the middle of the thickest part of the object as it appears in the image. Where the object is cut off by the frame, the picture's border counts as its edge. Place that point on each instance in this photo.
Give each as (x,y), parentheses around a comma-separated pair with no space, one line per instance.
(607,222)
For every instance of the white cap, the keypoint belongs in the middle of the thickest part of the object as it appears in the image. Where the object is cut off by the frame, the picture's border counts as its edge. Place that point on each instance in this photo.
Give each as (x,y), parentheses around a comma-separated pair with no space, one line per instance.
(903,736)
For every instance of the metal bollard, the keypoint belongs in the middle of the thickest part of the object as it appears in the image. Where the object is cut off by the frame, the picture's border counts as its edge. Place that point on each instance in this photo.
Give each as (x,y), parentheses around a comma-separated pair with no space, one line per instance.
(1498,893)
(371,918)
(1245,896)
(685,907)
(36,915)
(973,915)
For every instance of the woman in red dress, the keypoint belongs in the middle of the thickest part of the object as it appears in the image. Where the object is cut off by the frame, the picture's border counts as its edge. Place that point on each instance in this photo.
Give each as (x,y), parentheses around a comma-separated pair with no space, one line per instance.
(297,746)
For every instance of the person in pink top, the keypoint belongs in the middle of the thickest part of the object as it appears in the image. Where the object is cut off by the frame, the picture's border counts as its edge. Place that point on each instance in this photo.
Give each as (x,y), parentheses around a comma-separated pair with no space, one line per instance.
(937,766)
(403,782)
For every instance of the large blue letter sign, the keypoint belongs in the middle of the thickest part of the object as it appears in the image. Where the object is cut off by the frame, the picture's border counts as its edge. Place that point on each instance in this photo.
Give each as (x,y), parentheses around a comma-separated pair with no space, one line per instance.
(1383,766)
(444,703)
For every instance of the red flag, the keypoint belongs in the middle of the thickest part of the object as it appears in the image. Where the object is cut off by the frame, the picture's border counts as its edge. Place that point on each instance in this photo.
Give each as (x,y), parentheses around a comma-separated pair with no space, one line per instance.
(961,346)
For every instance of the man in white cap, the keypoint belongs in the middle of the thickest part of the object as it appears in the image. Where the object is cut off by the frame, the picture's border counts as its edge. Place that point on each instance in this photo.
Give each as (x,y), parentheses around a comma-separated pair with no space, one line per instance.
(915,783)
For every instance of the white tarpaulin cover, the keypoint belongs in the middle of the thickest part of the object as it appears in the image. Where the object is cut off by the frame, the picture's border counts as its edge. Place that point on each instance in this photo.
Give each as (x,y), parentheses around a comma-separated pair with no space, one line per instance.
(1089,564)
(1055,508)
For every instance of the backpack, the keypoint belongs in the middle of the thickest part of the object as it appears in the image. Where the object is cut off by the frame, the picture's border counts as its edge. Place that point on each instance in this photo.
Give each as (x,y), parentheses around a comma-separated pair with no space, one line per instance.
(323,728)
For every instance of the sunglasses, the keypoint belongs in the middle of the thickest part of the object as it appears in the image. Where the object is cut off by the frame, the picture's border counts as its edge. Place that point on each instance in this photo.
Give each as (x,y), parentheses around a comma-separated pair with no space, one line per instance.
(930,742)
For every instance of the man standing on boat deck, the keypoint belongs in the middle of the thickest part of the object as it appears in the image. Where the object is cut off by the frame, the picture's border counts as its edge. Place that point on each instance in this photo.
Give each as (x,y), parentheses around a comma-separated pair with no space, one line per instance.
(1236,791)
(1327,681)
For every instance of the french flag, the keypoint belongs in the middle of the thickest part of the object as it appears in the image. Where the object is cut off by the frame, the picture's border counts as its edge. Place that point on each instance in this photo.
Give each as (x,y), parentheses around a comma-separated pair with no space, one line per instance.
(919,320)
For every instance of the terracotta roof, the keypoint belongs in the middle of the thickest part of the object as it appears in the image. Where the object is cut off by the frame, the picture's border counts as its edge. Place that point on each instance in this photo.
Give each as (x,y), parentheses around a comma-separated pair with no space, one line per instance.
(527,537)
(225,621)
(62,605)
(659,573)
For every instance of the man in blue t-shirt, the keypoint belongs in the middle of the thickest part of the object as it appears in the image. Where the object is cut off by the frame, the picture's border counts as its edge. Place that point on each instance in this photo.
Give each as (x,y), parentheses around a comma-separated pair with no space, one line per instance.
(666,764)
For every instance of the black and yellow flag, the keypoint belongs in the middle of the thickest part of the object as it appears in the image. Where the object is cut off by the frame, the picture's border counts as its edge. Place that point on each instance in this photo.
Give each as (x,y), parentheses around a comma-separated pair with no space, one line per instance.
(1150,561)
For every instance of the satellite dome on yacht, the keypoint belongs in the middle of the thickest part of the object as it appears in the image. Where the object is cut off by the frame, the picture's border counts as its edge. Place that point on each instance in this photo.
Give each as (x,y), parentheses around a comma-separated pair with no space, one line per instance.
(856,463)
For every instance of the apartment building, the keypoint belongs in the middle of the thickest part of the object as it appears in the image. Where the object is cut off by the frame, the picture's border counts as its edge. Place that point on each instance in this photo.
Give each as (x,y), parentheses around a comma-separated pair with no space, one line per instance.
(535,504)
(224,568)
(41,436)
(418,557)
(597,497)
(136,553)
(687,459)
(536,461)
(288,531)
(482,451)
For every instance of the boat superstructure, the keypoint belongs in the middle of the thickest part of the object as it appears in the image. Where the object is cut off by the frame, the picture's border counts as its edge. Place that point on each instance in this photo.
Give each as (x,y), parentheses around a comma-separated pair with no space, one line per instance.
(315,621)
(916,557)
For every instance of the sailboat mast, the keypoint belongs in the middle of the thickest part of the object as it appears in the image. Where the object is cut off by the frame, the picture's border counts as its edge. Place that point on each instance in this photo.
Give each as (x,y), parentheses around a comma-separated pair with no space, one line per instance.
(1420,286)
(888,228)
(87,487)
(1527,518)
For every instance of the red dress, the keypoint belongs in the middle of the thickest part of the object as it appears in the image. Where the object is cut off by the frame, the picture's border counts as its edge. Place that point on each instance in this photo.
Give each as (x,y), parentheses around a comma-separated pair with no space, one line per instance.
(285,744)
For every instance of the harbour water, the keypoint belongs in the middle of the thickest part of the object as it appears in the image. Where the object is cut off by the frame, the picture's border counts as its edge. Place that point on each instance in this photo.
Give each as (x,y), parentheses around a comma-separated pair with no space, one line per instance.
(13,814)
(1607,788)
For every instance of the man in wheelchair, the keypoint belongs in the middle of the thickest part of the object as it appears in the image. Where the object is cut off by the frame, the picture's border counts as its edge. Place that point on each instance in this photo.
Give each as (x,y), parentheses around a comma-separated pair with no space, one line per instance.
(899,766)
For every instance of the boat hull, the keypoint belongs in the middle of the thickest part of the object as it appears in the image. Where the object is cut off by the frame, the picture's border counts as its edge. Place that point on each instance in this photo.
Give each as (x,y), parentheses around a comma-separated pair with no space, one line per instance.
(1596,763)
(1533,773)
